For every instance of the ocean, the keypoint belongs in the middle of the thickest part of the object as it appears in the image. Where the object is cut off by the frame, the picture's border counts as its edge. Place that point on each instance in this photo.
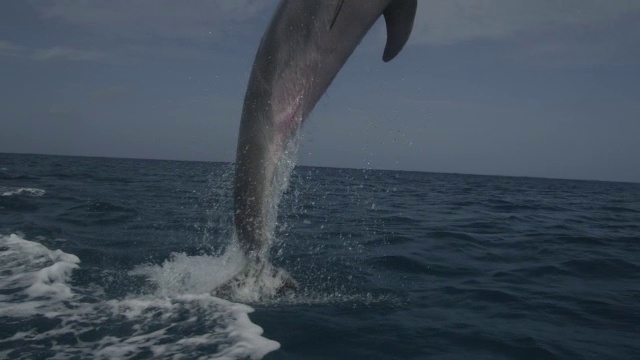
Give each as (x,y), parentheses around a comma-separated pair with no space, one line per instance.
(117,258)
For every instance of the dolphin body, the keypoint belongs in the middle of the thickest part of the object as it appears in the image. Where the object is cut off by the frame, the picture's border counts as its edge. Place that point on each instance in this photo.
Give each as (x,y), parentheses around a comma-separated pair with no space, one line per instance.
(302,50)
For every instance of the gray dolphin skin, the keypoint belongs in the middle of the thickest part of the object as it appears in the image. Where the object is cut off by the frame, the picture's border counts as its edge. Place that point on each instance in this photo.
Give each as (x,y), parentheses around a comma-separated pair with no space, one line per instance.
(302,50)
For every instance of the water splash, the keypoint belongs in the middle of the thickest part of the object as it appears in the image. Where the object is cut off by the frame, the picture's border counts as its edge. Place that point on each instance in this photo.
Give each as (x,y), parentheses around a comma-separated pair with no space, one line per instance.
(44,314)
(259,280)
(279,183)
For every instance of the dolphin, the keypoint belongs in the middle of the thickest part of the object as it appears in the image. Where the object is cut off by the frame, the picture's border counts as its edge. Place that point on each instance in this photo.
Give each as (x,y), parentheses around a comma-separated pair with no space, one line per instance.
(304,47)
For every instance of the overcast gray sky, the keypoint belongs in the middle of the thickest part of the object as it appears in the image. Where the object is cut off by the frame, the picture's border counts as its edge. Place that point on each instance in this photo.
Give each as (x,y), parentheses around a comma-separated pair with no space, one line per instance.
(546,88)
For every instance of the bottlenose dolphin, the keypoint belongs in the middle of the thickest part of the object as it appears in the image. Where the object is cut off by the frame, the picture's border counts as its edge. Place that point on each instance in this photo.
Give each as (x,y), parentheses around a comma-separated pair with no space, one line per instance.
(302,50)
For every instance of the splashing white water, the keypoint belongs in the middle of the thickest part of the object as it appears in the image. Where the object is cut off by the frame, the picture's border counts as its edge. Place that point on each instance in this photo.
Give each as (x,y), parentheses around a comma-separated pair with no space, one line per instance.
(40,309)
(21,191)
(280,182)
(243,282)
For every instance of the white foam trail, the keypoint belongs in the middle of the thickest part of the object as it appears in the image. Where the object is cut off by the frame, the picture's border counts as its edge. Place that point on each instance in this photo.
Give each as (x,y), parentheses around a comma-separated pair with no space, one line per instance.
(39,272)
(234,335)
(180,320)
(22,191)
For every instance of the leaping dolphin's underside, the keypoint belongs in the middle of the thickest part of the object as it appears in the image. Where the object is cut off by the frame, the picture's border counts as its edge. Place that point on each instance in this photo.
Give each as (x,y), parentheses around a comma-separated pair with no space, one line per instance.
(302,50)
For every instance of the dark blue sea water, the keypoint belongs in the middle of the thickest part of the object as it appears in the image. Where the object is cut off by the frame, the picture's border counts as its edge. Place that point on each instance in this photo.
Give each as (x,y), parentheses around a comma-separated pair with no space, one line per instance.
(116,258)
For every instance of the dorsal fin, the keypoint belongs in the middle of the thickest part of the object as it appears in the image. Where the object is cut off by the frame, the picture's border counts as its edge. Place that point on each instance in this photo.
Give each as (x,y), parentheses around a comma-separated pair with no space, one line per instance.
(398,16)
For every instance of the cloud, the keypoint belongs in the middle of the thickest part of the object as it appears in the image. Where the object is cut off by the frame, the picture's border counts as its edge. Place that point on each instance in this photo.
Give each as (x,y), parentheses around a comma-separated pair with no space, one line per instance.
(193,20)
(9,49)
(111,94)
(66,53)
(50,54)
(437,21)
(452,21)
(142,29)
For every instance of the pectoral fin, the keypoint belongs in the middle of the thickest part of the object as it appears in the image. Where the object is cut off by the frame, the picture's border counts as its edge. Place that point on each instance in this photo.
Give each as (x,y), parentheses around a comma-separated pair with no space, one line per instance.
(398,16)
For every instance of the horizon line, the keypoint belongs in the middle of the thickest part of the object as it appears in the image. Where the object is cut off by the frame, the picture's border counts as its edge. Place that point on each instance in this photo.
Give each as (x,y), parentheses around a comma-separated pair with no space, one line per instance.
(326,167)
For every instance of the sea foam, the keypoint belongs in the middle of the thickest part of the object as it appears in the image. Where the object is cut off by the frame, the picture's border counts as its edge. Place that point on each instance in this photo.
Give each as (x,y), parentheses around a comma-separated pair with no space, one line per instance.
(21,191)
(40,304)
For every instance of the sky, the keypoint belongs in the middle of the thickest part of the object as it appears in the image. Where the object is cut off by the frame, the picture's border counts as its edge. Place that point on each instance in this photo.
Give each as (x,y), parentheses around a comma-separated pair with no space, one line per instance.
(546,88)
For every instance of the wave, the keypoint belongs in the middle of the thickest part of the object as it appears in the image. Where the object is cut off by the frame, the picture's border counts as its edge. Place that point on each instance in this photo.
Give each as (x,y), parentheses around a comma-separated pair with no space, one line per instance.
(97,213)
(21,191)
(6,176)
(43,310)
